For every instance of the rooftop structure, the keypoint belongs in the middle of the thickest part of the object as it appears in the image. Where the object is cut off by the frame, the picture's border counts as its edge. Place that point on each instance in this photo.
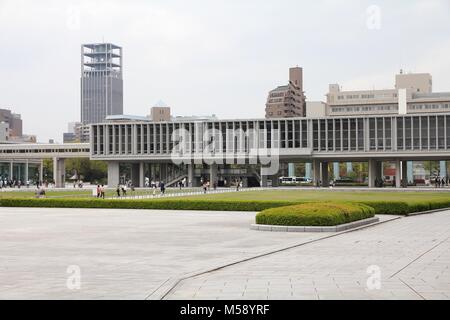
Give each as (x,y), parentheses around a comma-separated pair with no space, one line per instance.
(412,94)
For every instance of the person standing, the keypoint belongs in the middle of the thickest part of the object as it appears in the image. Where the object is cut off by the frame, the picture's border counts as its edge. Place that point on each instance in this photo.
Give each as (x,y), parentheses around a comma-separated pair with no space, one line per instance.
(98,191)
(162,187)
(118,190)
(102,191)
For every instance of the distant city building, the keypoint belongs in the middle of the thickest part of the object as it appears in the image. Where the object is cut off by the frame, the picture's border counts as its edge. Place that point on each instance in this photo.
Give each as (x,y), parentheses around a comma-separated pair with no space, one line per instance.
(14,121)
(77,132)
(26,138)
(4,131)
(101,82)
(12,128)
(316,109)
(289,100)
(160,112)
(69,137)
(413,94)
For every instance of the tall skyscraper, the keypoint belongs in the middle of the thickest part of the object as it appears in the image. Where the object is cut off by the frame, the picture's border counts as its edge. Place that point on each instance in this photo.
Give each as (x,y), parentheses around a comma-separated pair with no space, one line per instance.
(101,82)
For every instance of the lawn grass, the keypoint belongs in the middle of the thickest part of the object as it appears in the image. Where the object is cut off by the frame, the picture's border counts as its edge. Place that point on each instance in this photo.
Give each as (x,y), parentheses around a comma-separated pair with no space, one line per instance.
(325,195)
(81,193)
(383,202)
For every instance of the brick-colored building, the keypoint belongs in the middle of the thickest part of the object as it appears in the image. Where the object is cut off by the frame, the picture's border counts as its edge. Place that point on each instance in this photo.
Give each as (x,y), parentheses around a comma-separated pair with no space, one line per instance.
(289,100)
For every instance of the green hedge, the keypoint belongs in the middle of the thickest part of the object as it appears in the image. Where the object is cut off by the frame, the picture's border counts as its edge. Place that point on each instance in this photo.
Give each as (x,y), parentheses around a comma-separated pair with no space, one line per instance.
(162,204)
(381,207)
(315,214)
(404,208)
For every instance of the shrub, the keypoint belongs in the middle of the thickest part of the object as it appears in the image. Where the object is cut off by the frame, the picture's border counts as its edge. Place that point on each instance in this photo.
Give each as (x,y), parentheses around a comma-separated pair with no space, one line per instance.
(388,207)
(162,204)
(315,214)
(404,208)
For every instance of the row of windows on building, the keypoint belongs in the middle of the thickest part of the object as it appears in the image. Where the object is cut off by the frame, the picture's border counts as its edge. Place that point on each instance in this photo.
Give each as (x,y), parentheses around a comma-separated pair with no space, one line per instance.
(372,108)
(336,134)
(429,106)
(157,138)
(367,96)
(384,133)
(391,107)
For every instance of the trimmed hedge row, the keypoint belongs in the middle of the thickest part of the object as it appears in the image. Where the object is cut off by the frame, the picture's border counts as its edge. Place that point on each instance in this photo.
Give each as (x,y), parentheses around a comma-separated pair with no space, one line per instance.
(315,214)
(162,204)
(381,207)
(404,208)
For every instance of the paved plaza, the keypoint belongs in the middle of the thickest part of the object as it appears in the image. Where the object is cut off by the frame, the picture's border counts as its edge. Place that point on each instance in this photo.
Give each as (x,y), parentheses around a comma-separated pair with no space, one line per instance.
(142,254)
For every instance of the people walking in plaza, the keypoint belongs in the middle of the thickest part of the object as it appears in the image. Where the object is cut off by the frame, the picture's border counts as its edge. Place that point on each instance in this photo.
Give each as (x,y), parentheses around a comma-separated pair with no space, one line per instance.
(102,191)
(124,190)
(98,191)
(204,187)
(118,190)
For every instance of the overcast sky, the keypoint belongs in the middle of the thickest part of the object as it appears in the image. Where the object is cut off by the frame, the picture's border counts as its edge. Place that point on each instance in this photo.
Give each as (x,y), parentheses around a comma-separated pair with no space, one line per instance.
(205,57)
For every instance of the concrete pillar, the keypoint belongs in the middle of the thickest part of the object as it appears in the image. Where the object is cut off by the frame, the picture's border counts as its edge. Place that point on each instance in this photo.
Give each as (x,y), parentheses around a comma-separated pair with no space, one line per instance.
(113,174)
(336,173)
(263,179)
(349,167)
(375,171)
(11,170)
(190,178)
(372,173)
(275,180)
(308,170)
(141,175)
(41,172)
(410,169)
(324,176)
(404,173)
(213,168)
(163,172)
(291,169)
(59,172)
(135,174)
(397,173)
(316,173)
(26,172)
(443,168)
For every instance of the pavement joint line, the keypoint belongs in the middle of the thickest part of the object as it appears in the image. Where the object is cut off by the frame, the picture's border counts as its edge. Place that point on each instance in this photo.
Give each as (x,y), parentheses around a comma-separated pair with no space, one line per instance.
(193,275)
(419,213)
(420,256)
(417,293)
(150,294)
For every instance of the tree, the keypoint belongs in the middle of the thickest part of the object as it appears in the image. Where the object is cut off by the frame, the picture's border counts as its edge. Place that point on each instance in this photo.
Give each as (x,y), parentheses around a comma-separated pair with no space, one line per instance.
(88,170)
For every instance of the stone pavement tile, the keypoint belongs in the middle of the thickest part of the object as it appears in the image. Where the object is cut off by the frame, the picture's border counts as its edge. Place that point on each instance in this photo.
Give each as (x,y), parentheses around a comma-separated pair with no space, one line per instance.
(434,296)
(336,268)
